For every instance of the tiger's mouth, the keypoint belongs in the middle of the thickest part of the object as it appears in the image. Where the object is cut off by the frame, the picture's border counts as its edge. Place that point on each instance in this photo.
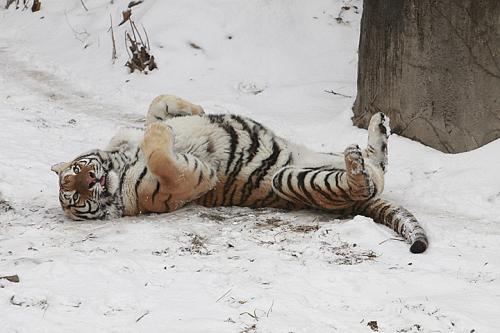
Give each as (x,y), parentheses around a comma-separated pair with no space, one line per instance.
(102,181)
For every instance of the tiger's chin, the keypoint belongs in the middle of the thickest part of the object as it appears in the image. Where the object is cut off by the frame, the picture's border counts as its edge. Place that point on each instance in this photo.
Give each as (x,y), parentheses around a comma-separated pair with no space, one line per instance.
(111,205)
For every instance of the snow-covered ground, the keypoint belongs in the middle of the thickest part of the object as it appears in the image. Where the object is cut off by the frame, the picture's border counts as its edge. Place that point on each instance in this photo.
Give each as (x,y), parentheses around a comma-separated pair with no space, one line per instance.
(232,269)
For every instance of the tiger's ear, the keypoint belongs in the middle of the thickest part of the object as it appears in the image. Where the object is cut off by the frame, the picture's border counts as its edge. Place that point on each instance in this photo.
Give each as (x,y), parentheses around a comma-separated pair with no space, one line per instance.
(59,167)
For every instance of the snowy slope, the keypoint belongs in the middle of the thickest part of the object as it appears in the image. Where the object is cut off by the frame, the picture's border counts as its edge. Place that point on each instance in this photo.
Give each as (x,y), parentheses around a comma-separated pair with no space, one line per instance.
(232,269)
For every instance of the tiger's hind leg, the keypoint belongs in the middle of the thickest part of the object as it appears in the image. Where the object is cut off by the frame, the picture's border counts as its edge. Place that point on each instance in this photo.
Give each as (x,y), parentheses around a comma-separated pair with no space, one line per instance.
(367,167)
(339,185)
(378,134)
(330,187)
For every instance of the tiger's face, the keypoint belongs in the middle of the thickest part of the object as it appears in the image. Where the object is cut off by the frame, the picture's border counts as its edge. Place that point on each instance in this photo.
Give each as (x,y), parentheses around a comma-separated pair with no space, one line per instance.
(83,186)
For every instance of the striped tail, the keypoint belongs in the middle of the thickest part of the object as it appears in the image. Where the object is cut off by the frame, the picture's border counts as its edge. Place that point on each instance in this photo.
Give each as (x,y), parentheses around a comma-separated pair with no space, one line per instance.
(397,218)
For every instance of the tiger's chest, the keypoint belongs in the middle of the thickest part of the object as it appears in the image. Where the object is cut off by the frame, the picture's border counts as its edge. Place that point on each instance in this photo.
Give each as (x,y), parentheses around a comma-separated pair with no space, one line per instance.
(244,154)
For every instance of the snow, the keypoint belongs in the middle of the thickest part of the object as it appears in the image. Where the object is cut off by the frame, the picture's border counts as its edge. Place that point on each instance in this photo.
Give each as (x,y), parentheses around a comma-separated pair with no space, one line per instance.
(231,269)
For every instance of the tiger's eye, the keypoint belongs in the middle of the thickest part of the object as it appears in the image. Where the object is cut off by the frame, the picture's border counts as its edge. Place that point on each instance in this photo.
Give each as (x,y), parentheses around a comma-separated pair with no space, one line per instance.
(75,196)
(76,169)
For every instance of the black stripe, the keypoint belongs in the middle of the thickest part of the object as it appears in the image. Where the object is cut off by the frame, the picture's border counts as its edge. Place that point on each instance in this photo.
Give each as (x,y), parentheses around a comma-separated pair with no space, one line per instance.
(167,206)
(208,198)
(337,184)
(262,202)
(230,180)
(232,176)
(389,220)
(290,188)
(138,182)
(278,180)
(323,168)
(231,197)
(203,199)
(302,186)
(233,142)
(260,172)
(318,189)
(200,178)
(233,136)
(382,211)
(253,134)
(90,155)
(328,186)
(127,167)
(88,210)
(155,192)
(278,184)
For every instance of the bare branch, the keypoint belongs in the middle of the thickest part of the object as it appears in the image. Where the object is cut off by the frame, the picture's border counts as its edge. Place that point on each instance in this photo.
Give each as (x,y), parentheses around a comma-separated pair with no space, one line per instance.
(146,34)
(336,93)
(84,6)
(126,16)
(113,53)
(134,3)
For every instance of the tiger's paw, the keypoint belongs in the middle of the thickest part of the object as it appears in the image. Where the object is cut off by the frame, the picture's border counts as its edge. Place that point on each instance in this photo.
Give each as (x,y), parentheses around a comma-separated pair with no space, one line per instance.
(379,125)
(361,185)
(165,107)
(354,160)
(158,136)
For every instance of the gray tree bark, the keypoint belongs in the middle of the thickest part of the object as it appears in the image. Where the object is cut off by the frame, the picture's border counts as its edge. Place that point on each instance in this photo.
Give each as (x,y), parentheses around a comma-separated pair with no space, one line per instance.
(433,66)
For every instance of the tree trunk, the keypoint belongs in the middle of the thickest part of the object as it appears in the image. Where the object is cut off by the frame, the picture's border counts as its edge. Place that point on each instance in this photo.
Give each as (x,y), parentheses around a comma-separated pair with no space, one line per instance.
(433,66)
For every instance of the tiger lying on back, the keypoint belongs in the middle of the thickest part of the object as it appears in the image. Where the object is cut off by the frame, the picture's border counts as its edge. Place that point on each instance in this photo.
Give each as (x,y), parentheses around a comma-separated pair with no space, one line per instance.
(227,160)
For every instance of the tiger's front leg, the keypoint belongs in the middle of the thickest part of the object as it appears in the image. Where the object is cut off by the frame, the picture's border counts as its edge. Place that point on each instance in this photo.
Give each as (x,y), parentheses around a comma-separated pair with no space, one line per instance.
(181,177)
(164,107)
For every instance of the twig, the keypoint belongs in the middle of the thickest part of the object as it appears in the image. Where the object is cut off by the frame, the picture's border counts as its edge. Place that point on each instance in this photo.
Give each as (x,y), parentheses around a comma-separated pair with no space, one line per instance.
(77,33)
(83,4)
(133,30)
(132,23)
(270,309)
(126,47)
(147,38)
(113,53)
(13,302)
(126,16)
(278,233)
(140,57)
(254,315)
(392,238)
(227,292)
(144,315)
(336,93)
(134,3)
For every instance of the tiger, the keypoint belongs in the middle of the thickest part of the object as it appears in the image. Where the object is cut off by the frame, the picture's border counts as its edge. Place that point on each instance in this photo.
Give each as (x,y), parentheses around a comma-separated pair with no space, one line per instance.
(183,155)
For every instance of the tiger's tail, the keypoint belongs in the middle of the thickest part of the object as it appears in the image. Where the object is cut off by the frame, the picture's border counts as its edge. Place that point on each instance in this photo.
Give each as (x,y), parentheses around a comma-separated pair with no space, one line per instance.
(397,218)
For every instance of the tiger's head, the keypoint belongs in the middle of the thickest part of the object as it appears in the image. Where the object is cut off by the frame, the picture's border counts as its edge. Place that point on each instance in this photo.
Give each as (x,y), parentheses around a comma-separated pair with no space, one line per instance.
(87,186)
